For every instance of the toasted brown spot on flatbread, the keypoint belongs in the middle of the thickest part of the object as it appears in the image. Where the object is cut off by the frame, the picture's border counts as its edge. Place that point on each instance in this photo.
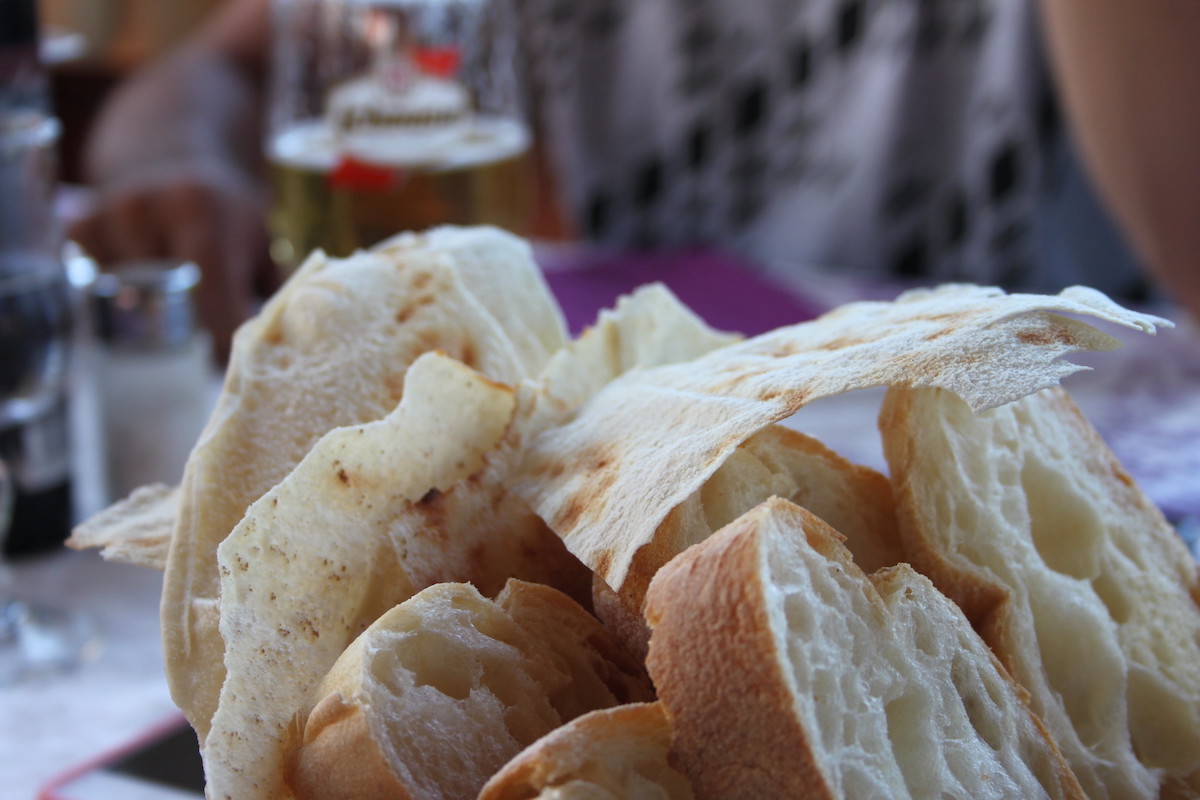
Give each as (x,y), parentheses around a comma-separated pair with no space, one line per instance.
(567,517)
(394,385)
(603,560)
(468,356)
(273,335)
(1042,338)
(844,342)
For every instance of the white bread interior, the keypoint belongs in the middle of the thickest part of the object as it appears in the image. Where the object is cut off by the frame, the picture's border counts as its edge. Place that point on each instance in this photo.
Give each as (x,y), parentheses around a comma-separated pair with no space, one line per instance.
(1069,572)
(775,462)
(611,754)
(787,672)
(444,689)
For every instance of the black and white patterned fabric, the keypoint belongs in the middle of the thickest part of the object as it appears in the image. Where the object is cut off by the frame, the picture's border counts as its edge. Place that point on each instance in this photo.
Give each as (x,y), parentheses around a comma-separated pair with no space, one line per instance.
(899,136)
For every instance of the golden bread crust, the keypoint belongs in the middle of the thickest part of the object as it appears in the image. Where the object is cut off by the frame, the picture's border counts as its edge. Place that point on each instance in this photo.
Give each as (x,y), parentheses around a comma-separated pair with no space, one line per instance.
(320,768)
(716,654)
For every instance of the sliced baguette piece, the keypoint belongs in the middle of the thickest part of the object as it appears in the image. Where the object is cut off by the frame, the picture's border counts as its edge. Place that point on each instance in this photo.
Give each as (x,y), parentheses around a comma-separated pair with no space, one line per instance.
(787,672)
(611,754)
(441,691)
(1025,517)
(775,462)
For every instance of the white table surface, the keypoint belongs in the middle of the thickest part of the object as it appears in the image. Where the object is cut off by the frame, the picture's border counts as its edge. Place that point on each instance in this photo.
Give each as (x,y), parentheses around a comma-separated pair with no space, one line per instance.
(61,721)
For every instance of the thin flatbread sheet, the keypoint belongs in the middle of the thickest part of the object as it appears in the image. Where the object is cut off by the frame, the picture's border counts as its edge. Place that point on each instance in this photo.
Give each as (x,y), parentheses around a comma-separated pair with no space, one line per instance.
(370,516)
(135,530)
(331,349)
(606,479)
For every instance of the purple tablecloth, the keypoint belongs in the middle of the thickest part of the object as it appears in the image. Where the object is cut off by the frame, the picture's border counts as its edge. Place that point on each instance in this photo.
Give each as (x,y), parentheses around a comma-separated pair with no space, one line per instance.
(724,291)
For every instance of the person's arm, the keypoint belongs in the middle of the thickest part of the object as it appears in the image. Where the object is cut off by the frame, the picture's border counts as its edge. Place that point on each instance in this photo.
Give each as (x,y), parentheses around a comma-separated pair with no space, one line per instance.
(176,158)
(1129,74)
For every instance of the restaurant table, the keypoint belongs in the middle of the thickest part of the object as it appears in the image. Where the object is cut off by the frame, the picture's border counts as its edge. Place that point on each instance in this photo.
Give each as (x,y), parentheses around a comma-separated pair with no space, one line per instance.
(1145,399)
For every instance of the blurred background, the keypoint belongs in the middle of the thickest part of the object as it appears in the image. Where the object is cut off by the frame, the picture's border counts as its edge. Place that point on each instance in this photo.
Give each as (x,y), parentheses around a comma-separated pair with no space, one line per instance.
(91,45)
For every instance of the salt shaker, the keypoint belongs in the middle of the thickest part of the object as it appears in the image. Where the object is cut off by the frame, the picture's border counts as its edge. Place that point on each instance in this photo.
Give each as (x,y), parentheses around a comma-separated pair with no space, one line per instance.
(153,372)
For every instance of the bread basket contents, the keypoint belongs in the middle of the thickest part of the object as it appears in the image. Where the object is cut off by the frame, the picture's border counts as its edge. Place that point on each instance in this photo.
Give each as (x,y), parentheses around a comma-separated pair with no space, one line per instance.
(373,514)
(775,462)
(405,432)
(756,677)
(446,687)
(617,752)
(610,496)
(331,349)
(1081,588)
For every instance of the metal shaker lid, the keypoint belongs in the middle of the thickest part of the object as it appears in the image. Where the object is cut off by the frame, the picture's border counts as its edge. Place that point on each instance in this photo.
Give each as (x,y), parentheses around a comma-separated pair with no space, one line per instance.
(146,305)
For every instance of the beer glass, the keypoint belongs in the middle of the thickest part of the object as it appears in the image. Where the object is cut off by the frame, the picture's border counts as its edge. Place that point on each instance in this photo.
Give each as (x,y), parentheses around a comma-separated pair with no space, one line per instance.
(393,115)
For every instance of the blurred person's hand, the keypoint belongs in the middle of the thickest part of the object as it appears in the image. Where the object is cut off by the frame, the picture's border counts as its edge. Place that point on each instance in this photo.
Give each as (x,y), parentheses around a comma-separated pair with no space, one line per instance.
(205,212)
(176,160)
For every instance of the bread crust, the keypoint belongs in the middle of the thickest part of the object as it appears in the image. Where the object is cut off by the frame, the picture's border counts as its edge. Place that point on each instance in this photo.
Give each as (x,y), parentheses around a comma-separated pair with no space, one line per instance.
(741,719)
(596,742)
(701,676)
(777,461)
(320,767)
(545,660)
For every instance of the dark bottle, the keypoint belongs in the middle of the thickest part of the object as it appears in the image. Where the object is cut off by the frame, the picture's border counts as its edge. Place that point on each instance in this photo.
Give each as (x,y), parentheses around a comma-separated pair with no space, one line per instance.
(36,300)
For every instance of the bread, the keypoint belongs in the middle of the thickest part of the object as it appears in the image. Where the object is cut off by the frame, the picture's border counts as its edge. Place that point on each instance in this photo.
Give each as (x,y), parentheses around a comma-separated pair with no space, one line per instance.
(787,672)
(136,530)
(612,754)
(776,462)
(605,478)
(348,468)
(376,512)
(331,348)
(373,514)
(1069,572)
(444,689)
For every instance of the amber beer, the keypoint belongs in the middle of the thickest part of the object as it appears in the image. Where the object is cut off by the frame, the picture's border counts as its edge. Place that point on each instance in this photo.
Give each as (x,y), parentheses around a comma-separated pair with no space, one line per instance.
(340,196)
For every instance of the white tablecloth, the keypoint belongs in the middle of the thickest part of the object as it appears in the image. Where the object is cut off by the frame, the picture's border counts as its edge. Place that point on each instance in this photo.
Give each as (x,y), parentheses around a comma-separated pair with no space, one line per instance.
(59,722)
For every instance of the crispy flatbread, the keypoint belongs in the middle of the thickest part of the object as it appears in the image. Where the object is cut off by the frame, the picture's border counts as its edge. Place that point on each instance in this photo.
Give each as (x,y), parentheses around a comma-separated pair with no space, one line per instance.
(331,349)
(372,514)
(607,479)
(135,530)
(379,511)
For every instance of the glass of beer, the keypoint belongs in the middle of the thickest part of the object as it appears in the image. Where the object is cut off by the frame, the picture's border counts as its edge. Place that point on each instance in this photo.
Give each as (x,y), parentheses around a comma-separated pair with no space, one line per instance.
(393,115)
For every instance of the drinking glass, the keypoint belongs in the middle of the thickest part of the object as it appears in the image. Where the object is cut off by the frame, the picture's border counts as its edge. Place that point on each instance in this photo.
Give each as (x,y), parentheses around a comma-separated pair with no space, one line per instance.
(36,640)
(393,115)
(36,318)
